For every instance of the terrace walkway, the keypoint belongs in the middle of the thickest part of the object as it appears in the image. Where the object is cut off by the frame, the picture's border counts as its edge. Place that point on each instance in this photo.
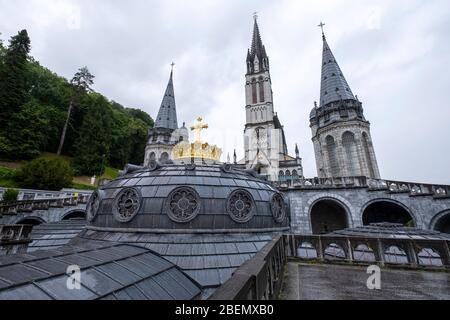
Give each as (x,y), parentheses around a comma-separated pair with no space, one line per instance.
(303,281)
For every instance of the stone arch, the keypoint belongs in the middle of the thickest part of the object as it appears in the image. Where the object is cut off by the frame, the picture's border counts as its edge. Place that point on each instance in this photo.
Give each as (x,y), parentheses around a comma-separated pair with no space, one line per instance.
(350,153)
(441,222)
(387,210)
(333,160)
(31,220)
(74,214)
(328,214)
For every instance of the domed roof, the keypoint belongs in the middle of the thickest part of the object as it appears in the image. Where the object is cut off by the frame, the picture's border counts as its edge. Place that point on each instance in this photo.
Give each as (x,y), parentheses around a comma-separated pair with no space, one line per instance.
(193,198)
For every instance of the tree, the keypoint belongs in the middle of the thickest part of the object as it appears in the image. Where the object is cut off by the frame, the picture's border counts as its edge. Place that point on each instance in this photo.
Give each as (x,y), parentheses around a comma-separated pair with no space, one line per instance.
(81,83)
(30,132)
(10,195)
(46,174)
(13,77)
(93,145)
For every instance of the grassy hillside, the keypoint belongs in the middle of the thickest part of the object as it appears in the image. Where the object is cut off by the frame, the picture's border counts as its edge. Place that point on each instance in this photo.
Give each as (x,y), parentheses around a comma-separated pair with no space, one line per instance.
(8,171)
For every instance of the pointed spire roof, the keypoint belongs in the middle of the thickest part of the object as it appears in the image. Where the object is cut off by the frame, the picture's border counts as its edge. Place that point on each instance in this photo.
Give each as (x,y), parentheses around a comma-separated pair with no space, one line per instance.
(167,115)
(257,45)
(258,50)
(333,87)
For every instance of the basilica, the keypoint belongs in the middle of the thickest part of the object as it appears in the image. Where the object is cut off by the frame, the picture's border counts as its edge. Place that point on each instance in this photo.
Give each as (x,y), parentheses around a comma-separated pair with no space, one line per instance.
(185,225)
(340,133)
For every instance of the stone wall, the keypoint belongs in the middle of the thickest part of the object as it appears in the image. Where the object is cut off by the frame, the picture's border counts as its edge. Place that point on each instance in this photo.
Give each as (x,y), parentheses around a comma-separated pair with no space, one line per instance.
(424,209)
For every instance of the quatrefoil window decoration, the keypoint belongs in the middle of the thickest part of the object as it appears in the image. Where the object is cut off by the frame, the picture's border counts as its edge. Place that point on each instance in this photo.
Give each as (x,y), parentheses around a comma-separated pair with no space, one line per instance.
(183,204)
(93,205)
(278,207)
(240,206)
(127,204)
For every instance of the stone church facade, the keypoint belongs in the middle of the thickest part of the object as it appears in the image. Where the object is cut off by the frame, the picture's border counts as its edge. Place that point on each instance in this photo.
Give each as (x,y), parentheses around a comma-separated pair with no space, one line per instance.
(341,135)
(165,134)
(264,139)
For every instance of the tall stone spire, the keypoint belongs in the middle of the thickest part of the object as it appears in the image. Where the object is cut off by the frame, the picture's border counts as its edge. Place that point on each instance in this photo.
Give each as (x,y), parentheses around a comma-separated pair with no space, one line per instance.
(257,59)
(333,87)
(167,115)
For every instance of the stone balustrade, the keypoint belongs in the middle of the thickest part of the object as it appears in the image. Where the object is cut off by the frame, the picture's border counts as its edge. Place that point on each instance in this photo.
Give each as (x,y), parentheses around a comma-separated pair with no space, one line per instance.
(13,208)
(413,189)
(260,278)
(13,234)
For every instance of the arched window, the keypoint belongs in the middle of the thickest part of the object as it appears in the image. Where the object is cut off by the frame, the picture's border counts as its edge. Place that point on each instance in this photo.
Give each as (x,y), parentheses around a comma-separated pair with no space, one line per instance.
(295,175)
(254,93)
(332,156)
(152,156)
(351,154)
(368,155)
(261,90)
(164,157)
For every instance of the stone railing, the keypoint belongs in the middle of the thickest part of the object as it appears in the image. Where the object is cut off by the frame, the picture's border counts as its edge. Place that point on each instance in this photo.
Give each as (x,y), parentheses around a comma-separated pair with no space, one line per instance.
(413,253)
(14,234)
(14,238)
(323,183)
(260,278)
(13,208)
(413,189)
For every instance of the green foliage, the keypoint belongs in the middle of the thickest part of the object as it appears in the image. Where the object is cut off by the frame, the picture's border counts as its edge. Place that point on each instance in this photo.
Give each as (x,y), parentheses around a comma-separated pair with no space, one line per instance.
(93,146)
(47,174)
(14,86)
(6,173)
(34,105)
(10,195)
(7,178)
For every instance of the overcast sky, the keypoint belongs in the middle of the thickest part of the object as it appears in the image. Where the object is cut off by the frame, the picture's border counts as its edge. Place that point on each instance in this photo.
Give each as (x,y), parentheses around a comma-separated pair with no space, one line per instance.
(394,54)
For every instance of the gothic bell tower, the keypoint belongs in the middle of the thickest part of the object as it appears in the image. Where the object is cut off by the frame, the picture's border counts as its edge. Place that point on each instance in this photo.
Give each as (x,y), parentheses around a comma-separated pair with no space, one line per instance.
(264,140)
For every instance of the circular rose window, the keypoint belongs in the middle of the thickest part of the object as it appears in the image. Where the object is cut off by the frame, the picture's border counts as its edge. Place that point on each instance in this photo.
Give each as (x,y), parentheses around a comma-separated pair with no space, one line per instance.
(93,205)
(183,204)
(127,204)
(278,207)
(240,206)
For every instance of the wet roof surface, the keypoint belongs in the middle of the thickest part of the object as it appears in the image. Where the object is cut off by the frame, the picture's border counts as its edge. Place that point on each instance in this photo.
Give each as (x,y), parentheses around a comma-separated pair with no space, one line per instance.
(112,271)
(387,230)
(210,259)
(54,235)
(212,184)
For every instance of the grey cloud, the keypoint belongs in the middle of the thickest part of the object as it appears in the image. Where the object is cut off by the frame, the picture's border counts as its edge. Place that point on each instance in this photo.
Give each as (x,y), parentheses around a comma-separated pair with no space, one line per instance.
(395,55)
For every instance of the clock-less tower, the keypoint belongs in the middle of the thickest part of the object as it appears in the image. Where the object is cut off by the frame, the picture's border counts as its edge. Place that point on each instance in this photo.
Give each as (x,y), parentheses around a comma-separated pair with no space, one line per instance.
(264,139)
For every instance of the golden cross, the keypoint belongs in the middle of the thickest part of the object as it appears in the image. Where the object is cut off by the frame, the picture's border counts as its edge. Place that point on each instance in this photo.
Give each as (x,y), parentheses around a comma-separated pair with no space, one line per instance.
(198,129)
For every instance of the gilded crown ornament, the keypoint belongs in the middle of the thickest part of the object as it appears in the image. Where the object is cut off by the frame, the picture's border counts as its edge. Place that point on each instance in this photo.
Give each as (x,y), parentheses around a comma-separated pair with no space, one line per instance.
(198,149)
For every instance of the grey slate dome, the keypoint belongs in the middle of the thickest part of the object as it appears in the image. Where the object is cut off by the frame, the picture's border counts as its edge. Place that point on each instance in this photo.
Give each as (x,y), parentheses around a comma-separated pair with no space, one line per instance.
(188,198)
(206,219)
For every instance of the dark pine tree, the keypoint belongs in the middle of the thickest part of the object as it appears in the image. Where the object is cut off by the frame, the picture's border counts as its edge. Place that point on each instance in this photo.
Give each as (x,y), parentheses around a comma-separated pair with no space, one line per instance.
(93,146)
(13,77)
